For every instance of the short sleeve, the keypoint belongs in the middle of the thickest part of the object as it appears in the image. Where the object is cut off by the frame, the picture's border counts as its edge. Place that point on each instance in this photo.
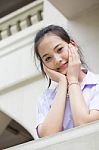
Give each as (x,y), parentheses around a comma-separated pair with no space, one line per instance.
(94,103)
(43,106)
(41,110)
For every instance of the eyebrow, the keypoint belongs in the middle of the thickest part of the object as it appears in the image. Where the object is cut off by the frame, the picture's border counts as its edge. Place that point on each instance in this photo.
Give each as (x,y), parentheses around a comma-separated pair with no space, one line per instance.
(44,55)
(57,45)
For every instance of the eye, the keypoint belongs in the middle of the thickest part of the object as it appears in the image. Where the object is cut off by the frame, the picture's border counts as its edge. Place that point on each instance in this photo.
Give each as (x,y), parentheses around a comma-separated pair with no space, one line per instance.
(48,59)
(59,49)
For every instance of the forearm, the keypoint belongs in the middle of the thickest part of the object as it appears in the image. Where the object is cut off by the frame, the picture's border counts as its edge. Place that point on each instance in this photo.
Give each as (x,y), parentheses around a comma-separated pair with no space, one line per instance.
(54,119)
(80,111)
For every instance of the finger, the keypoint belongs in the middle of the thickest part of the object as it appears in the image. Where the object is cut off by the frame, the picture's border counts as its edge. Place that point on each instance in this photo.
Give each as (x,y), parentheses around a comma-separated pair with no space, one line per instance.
(45,67)
(70,55)
(77,57)
(74,51)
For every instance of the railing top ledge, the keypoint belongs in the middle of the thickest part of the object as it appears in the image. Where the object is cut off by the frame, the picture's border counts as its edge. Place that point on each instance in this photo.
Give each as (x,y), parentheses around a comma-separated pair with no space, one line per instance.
(20,11)
(75,133)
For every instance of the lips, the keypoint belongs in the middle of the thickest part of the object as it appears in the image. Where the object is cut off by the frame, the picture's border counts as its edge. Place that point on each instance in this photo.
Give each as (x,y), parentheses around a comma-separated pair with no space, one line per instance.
(62,67)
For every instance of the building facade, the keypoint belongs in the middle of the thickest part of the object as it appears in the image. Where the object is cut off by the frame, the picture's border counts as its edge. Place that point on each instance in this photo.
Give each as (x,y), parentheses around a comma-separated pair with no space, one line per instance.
(21,82)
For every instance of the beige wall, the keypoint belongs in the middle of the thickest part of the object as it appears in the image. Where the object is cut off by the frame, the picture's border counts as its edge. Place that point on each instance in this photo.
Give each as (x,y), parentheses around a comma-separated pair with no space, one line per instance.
(53,16)
(85,137)
(85,29)
(21,83)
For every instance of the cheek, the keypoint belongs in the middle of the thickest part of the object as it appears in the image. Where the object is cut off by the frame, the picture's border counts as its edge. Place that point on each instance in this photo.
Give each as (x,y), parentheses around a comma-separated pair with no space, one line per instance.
(50,65)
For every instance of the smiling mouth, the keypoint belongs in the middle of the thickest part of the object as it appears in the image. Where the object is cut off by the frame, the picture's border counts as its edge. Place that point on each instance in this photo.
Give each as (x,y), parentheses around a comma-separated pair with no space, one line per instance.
(62,67)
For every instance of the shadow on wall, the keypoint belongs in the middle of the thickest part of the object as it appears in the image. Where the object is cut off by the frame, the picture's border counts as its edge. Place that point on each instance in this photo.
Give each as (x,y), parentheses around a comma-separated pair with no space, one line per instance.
(12,133)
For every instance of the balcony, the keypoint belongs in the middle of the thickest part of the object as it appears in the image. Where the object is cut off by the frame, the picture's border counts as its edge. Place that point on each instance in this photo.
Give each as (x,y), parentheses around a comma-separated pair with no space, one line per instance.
(20,83)
(21,19)
(85,137)
(19,75)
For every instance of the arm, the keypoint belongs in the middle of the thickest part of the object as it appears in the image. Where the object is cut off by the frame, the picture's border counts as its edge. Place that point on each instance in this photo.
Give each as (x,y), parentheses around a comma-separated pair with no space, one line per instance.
(80,112)
(54,119)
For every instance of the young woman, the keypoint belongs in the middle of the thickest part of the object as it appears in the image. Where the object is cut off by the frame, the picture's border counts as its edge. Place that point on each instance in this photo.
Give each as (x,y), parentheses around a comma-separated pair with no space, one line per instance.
(75,99)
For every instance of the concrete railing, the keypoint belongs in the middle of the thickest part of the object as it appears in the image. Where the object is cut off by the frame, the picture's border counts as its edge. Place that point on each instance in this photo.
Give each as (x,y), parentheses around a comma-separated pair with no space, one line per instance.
(4,121)
(85,137)
(21,83)
(20,19)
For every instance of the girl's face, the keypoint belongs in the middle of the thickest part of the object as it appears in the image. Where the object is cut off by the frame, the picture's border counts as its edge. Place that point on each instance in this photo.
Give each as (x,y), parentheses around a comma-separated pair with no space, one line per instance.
(54,53)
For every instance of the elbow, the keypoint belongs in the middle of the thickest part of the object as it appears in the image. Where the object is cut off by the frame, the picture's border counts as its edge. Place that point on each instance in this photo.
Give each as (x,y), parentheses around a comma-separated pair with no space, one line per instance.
(44,131)
(49,132)
(82,121)
(86,118)
(79,123)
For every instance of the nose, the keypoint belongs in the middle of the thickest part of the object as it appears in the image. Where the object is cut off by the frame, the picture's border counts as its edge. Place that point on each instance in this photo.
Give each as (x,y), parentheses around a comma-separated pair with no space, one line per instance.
(57,58)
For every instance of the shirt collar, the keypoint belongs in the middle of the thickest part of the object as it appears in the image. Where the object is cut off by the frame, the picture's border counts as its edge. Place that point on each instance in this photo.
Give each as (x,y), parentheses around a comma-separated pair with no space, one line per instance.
(90,79)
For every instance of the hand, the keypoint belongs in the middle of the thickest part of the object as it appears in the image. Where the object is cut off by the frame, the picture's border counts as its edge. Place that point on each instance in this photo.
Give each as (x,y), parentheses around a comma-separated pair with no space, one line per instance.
(74,64)
(54,75)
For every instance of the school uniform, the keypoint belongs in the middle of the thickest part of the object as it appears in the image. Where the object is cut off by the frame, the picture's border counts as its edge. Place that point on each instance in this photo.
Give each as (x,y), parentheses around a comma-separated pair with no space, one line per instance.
(90,91)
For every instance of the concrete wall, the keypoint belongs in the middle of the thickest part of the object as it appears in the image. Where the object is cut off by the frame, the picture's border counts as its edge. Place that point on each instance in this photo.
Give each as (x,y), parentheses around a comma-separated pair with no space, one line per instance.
(85,29)
(21,83)
(53,16)
(85,137)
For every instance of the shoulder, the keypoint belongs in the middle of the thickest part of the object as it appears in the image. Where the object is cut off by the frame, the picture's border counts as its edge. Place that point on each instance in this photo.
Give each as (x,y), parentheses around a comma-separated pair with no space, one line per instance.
(90,82)
(91,78)
(48,94)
